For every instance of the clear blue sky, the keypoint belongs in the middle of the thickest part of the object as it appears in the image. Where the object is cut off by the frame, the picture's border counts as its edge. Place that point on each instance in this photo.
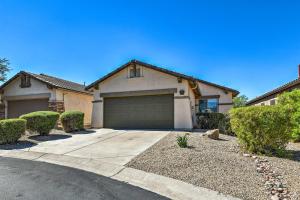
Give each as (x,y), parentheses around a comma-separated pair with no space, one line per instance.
(250,45)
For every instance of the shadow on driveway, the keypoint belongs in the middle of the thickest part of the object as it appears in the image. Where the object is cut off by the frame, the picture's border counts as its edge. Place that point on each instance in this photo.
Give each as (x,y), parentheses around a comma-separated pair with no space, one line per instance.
(18,146)
(83,132)
(51,137)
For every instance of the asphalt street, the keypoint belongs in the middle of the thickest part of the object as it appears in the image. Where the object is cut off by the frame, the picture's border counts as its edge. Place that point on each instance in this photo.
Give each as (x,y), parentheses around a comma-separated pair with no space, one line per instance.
(31,180)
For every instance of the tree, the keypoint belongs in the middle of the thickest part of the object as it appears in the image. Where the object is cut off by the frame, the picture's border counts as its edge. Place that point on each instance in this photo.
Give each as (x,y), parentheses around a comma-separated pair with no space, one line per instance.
(4,69)
(240,101)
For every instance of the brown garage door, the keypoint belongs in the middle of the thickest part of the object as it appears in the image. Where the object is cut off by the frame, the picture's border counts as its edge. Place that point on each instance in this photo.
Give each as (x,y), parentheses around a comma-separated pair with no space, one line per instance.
(20,107)
(139,112)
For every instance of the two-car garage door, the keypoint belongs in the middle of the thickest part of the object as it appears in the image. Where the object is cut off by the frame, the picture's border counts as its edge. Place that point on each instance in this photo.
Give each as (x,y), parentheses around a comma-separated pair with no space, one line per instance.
(139,112)
(19,107)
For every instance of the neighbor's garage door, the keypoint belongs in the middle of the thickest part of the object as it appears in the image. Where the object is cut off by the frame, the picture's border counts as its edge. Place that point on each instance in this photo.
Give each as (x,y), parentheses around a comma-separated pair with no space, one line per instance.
(139,112)
(20,107)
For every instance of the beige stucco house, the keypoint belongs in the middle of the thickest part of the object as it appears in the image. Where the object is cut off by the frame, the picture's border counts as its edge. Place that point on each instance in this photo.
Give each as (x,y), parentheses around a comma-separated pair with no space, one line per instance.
(27,92)
(140,95)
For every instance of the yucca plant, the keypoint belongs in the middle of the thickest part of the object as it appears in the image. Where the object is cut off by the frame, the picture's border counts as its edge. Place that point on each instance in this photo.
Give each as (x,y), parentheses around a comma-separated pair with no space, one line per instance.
(182,141)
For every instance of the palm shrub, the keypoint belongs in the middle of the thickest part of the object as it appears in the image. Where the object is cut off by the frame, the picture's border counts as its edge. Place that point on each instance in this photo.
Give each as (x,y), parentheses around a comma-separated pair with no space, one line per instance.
(290,101)
(41,122)
(11,130)
(182,141)
(261,129)
(72,120)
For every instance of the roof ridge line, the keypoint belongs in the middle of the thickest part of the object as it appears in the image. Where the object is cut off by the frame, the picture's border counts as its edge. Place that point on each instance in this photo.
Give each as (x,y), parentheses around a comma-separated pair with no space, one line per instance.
(161,69)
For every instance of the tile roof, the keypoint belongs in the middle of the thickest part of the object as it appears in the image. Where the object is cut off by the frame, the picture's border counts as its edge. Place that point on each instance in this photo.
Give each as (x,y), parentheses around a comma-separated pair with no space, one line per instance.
(52,81)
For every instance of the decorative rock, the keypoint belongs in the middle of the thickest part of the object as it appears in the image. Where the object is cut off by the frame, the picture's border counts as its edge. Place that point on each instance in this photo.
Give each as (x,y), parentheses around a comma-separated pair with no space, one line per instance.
(213,134)
(273,192)
(246,155)
(259,170)
(274,197)
(280,190)
(274,182)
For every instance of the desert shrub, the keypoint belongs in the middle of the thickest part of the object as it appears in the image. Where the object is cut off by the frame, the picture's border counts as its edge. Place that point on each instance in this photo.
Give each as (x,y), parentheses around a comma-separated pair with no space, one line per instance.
(72,120)
(261,129)
(215,121)
(41,122)
(182,141)
(290,101)
(11,130)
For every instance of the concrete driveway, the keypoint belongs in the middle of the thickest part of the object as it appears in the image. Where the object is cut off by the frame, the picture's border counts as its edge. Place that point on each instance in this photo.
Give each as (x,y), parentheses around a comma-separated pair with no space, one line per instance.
(112,146)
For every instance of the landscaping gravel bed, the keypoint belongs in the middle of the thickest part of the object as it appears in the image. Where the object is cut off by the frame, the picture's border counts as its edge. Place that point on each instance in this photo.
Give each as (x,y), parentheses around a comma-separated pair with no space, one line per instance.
(289,169)
(213,164)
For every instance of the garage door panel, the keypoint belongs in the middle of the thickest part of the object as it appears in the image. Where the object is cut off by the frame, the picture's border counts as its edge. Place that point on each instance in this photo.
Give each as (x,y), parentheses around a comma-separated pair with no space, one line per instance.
(20,107)
(139,112)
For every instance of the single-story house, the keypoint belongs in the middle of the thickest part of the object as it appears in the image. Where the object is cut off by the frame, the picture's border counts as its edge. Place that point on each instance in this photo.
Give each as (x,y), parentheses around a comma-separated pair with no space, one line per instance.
(270,97)
(27,92)
(140,95)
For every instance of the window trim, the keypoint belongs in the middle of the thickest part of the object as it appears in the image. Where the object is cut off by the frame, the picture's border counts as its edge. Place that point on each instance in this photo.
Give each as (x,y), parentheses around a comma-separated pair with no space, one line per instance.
(209,98)
(25,81)
(136,69)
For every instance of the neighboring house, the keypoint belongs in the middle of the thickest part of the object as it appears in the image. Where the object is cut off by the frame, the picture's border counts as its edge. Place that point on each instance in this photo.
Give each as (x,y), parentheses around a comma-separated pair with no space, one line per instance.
(140,95)
(27,92)
(269,98)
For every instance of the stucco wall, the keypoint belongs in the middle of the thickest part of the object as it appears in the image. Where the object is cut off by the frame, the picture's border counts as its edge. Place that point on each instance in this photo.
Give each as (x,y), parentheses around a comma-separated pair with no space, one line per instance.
(37,87)
(14,91)
(72,100)
(182,112)
(76,101)
(266,102)
(150,80)
(225,96)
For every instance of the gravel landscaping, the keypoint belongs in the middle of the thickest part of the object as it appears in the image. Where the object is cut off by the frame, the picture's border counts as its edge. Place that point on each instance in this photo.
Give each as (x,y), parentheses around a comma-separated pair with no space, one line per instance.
(217,165)
(289,169)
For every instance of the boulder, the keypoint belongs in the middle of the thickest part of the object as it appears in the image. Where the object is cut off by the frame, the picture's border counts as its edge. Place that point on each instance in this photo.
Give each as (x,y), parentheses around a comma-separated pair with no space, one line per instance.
(213,134)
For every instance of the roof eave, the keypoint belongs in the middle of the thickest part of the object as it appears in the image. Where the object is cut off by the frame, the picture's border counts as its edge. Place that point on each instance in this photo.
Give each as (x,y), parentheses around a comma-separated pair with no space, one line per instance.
(41,80)
(234,92)
(274,92)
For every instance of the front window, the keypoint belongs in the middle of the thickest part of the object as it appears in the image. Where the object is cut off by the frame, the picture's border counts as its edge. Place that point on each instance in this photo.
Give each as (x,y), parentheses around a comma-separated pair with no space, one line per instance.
(208,105)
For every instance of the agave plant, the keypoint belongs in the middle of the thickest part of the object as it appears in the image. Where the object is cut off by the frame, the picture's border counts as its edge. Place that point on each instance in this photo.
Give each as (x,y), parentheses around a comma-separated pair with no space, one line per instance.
(182,141)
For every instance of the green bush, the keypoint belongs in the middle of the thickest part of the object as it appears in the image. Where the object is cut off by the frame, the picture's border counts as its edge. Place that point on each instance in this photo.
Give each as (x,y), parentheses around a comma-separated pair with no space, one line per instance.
(290,101)
(11,130)
(215,121)
(72,120)
(41,122)
(261,129)
(182,141)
